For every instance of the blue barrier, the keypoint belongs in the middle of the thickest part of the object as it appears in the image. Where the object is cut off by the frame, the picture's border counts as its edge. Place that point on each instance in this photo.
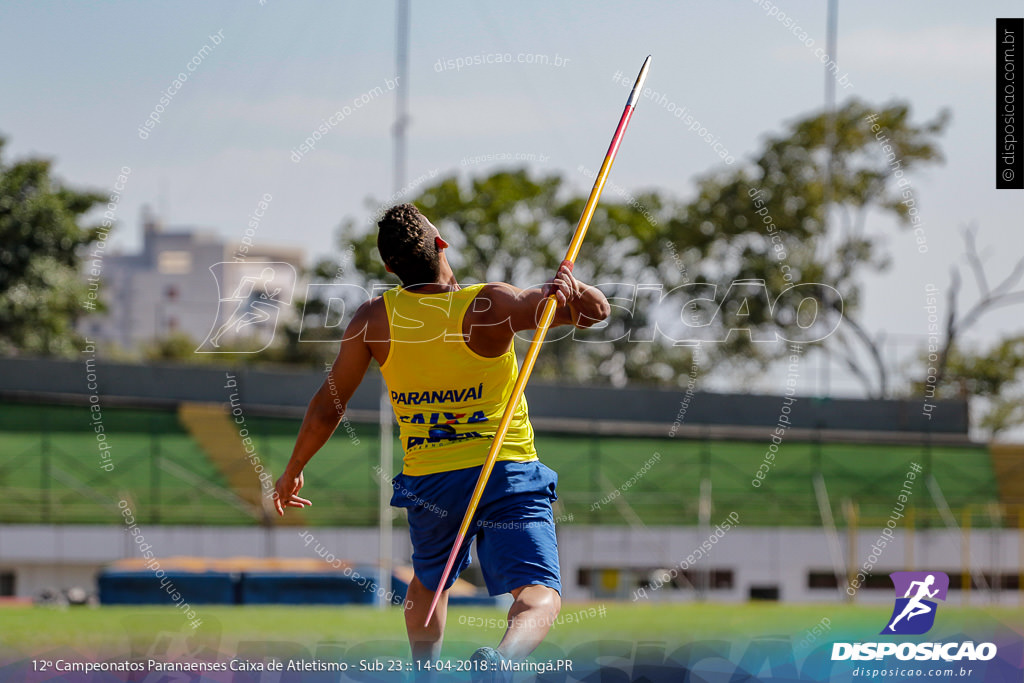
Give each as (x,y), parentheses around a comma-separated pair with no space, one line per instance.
(145,588)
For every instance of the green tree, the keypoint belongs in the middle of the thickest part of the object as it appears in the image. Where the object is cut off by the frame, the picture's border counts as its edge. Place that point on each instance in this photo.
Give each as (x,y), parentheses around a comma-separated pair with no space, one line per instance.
(782,219)
(676,262)
(42,237)
(948,369)
(993,375)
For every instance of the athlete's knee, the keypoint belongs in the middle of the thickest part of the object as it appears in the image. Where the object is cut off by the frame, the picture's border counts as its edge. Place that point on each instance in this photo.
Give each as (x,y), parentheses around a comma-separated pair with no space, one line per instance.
(541,600)
(556,603)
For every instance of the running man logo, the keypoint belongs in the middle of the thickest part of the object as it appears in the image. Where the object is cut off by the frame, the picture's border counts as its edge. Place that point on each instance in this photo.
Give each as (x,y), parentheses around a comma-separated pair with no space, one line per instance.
(914,613)
(260,292)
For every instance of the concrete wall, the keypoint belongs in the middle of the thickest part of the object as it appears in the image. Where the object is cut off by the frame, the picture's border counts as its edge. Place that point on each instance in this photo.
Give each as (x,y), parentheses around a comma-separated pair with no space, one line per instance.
(54,556)
(63,556)
(780,557)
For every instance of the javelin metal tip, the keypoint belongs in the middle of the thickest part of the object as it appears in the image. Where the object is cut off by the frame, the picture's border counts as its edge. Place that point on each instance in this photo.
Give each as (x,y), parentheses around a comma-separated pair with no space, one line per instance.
(634,95)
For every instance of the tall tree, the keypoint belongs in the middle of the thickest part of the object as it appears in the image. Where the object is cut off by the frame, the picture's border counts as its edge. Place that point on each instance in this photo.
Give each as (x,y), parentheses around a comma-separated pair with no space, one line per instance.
(949,368)
(41,240)
(679,272)
(994,375)
(767,220)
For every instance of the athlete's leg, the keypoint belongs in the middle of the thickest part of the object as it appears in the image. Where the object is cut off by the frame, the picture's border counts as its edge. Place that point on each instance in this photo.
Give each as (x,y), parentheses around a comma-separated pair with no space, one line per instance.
(432,532)
(518,550)
(425,641)
(529,620)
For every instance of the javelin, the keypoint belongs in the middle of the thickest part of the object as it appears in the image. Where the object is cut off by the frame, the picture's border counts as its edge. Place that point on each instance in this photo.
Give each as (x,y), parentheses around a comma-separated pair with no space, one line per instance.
(547,315)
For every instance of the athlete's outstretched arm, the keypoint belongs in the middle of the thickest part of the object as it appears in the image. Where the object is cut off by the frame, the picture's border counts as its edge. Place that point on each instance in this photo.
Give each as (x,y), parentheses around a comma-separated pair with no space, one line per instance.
(325,410)
(579,304)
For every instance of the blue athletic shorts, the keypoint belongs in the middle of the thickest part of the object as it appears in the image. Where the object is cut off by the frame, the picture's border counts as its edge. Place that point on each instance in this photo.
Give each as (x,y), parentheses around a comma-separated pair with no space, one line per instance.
(514,526)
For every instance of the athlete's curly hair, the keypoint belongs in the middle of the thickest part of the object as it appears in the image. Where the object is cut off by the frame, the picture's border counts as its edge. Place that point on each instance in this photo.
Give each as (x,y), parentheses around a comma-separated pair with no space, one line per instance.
(407,245)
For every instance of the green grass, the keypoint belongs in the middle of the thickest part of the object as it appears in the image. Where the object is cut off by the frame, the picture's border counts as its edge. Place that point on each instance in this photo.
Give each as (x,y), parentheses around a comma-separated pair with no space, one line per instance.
(136,629)
(49,472)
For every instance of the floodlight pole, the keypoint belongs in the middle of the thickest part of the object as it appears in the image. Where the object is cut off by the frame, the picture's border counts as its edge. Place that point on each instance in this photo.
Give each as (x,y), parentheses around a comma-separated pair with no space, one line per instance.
(384,513)
(831,45)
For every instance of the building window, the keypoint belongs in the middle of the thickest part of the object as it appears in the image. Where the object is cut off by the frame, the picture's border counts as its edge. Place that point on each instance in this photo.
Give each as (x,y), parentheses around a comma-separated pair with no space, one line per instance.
(823,579)
(6,583)
(1009,581)
(174,262)
(714,579)
(583,577)
(879,580)
(764,593)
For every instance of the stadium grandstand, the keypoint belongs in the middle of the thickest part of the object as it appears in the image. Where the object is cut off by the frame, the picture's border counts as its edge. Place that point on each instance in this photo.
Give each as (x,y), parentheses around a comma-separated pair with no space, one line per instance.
(647,477)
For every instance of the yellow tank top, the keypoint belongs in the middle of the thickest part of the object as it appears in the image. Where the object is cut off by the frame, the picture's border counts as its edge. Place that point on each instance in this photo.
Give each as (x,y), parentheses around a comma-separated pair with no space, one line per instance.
(448,400)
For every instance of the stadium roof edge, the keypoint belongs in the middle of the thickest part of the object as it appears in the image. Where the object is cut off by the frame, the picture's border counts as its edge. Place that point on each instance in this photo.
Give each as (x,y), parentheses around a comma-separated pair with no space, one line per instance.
(631,411)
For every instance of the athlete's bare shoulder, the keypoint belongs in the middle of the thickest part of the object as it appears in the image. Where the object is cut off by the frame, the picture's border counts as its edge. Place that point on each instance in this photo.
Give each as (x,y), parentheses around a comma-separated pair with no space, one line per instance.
(495,302)
(369,321)
(373,308)
(369,327)
(487,325)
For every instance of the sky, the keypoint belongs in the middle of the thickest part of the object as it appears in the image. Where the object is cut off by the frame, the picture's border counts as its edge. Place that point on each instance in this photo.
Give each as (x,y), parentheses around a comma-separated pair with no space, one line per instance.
(82,78)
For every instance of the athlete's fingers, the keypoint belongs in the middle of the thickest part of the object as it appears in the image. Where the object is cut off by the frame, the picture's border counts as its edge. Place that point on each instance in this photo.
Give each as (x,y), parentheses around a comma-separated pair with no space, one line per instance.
(562,286)
(565,292)
(296,502)
(574,284)
(567,280)
(554,288)
(279,496)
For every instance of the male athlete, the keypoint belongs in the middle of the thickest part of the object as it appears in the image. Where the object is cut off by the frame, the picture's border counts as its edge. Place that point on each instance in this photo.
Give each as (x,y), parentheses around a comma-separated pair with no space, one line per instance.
(446,354)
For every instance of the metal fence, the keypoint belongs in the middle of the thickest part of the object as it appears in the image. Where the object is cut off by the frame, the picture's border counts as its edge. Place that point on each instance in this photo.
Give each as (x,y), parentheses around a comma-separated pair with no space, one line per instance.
(51,473)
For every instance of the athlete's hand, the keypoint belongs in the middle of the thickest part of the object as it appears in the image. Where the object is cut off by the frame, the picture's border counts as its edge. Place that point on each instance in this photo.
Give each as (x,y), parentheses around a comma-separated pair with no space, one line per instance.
(286,493)
(563,285)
